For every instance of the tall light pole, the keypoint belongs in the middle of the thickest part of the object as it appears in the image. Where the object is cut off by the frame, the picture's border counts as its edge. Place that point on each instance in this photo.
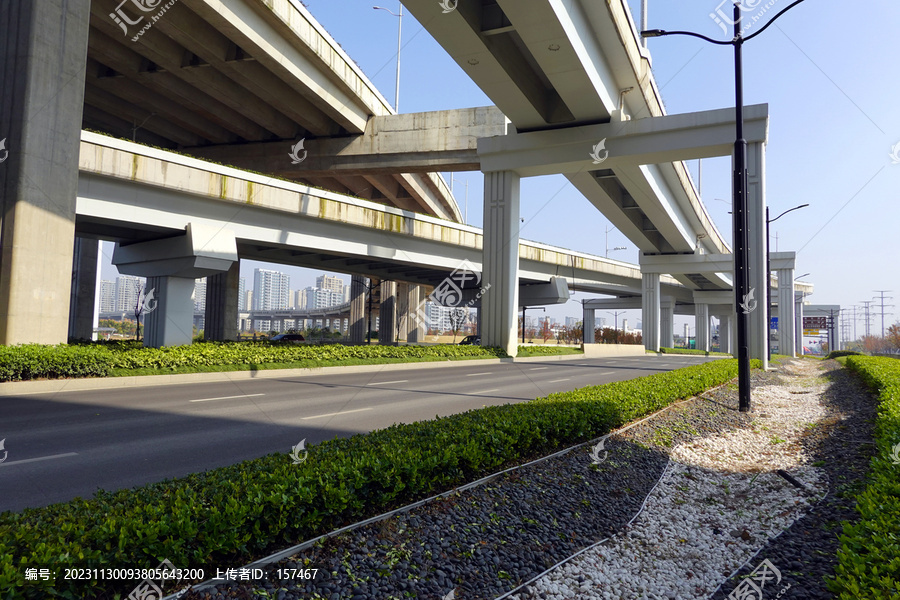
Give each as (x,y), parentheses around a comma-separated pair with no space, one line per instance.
(399,16)
(607,244)
(740,186)
(616,315)
(466,213)
(769,278)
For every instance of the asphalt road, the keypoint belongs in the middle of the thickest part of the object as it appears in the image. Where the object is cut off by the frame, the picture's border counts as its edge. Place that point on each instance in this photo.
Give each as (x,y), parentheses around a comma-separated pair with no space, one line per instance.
(68,444)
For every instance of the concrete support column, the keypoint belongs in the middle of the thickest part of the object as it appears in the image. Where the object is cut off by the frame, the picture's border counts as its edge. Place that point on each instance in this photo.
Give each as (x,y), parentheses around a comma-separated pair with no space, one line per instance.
(387,332)
(758,279)
(357,309)
(701,312)
(84,289)
(222,305)
(650,311)
(588,324)
(726,333)
(501,260)
(44,58)
(667,323)
(402,310)
(798,323)
(171,322)
(415,325)
(786,333)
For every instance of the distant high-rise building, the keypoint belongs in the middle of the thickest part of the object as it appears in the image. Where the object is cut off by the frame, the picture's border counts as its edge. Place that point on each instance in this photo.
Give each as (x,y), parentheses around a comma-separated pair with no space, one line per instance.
(319,298)
(107,296)
(438,316)
(329,283)
(248,299)
(572,321)
(299,298)
(242,294)
(127,289)
(271,290)
(200,295)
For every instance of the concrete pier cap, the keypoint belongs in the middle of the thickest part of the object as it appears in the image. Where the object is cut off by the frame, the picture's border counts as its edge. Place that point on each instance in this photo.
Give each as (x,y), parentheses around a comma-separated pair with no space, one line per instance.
(171,265)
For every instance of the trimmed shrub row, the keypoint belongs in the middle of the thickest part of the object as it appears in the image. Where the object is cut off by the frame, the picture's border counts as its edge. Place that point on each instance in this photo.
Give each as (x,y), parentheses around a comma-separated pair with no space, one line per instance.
(869,557)
(840,353)
(691,351)
(98,360)
(233,514)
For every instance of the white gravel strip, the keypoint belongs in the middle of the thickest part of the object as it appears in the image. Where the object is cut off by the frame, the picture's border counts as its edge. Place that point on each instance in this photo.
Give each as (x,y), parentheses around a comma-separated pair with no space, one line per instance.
(715,507)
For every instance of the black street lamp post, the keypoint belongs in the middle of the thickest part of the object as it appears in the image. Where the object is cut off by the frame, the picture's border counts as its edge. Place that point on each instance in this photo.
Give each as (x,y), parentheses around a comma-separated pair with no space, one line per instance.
(740,186)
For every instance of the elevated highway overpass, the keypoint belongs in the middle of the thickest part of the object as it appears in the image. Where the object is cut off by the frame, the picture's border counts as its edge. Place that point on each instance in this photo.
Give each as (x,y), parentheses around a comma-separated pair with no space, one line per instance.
(243,82)
(136,195)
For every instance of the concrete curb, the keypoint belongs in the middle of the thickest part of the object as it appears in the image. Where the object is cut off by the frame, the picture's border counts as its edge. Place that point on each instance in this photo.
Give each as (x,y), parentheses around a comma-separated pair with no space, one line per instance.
(54,386)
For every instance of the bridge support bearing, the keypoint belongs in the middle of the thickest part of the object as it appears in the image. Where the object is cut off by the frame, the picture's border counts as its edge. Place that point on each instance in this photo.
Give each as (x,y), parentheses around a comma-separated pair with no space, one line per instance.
(357,309)
(786,310)
(387,316)
(501,260)
(222,305)
(171,265)
(701,311)
(84,287)
(44,53)
(650,311)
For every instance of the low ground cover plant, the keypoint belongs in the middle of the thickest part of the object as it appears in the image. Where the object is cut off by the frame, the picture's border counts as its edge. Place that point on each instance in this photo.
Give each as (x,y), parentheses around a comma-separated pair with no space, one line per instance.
(34,361)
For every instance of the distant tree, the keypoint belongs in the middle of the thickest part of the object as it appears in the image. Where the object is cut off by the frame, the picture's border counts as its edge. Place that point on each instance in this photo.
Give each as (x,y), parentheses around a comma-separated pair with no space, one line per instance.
(145,303)
(458,316)
(546,333)
(893,336)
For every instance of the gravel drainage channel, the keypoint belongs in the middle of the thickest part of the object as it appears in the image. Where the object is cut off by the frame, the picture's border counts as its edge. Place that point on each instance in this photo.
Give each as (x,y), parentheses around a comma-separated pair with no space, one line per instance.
(749,514)
(488,541)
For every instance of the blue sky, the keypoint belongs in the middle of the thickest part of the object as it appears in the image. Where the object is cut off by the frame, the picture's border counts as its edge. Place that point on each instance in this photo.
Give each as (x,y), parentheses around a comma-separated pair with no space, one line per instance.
(828,71)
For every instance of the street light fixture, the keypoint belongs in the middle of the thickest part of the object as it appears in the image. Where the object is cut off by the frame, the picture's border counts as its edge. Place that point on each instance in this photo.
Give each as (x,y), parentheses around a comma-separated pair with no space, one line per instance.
(740,187)
(399,46)
(607,244)
(466,213)
(769,275)
(616,315)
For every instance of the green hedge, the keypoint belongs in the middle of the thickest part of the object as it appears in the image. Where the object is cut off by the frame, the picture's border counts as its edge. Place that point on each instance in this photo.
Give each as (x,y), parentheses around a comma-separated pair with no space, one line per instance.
(691,351)
(840,353)
(869,557)
(227,516)
(99,360)
(34,361)
(547,350)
